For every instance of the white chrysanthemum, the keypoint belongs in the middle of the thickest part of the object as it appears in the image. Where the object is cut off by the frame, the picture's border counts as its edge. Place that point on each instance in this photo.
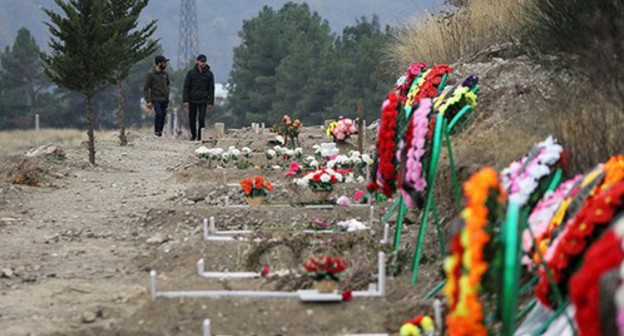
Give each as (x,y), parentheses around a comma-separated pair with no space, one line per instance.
(289,152)
(246,150)
(230,149)
(367,159)
(225,157)
(331,164)
(354,154)
(299,151)
(357,161)
(361,179)
(314,164)
(325,178)
(217,151)
(276,167)
(280,139)
(310,158)
(349,178)
(202,150)
(235,152)
(270,154)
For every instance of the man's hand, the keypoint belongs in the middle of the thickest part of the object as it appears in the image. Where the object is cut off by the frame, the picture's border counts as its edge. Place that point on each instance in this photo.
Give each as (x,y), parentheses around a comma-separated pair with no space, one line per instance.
(149,106)
(209,107)
(186,105)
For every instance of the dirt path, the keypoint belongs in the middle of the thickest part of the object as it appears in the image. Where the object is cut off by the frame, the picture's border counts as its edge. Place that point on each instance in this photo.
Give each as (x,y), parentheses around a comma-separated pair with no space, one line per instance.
(75,256)
(68,247)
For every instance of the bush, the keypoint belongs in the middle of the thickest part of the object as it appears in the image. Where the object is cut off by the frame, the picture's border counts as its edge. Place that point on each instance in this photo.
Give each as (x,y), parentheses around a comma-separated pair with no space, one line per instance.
(590,30)
(590,126)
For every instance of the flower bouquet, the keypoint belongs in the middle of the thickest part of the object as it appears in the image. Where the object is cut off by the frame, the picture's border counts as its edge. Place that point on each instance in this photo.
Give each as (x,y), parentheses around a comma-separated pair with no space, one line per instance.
(210,154)
(289,130)
(325,271)
(255,189)
(342,129)
(320,181)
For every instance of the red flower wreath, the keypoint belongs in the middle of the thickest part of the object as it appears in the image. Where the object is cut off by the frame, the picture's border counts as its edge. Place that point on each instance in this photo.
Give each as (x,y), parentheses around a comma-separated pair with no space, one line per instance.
(386,145)
(604,255)
(595,215)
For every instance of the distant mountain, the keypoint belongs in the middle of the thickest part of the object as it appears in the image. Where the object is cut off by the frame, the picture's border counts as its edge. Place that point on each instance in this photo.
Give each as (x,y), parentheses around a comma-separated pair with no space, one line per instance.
(218,21)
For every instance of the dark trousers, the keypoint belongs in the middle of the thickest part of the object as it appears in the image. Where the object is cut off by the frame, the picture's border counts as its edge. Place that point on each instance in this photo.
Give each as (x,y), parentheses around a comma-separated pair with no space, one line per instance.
(160,113)
(197,115)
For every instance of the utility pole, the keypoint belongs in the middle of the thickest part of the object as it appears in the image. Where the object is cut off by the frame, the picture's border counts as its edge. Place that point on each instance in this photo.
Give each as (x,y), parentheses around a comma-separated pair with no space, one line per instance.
(188,44)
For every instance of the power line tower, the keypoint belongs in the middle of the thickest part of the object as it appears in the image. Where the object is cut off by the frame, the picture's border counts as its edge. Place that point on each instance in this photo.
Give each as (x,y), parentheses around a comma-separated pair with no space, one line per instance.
(188,44)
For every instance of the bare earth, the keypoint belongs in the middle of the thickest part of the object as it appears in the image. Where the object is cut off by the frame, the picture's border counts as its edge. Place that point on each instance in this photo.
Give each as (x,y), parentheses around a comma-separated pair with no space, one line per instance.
(75,251)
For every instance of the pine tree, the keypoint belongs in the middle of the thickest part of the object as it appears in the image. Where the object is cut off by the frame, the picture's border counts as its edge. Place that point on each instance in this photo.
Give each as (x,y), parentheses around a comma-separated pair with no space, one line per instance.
(133,45)
(23,79)
(83,47)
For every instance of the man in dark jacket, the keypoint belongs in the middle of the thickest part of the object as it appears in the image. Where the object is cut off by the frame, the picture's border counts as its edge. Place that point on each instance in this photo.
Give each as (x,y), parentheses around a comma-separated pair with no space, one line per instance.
(198,95)
(156,92)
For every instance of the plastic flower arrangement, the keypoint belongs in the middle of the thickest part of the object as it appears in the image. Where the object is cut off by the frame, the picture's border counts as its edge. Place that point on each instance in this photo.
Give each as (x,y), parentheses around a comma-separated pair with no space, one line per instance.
(454,98)
(210,154)
(541,216)
(603,256)
(320,180)
(522,178)
(384,175)
(427,84)
(256,187)
(596,213)
(421,325)
(405,82)
(325,267)
(468,267)
(289,130)
(547,242)
(411,154)
(328,150)
(342,129)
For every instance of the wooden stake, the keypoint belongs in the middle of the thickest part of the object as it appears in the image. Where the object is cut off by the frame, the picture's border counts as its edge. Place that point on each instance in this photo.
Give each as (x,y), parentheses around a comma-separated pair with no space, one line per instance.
(360,114)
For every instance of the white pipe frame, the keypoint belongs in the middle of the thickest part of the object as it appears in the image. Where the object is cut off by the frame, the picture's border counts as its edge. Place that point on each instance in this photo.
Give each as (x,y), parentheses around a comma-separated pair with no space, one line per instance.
(206,331)
(210,232)
(377,290)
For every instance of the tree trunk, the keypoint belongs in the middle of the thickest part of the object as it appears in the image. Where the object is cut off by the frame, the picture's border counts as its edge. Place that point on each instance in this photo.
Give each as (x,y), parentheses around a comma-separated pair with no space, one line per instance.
(90,126)
(121,115)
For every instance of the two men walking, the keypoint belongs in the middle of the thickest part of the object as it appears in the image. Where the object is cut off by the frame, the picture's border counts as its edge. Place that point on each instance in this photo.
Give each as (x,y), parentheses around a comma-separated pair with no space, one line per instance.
(197,95)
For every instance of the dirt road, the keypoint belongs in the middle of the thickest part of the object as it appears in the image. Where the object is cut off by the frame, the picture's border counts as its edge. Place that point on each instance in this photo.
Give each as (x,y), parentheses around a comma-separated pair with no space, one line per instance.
(75,253)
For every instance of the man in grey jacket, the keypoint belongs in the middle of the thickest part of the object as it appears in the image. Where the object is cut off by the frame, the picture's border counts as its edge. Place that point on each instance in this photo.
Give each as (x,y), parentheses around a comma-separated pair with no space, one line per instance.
(156,92)
(198,95)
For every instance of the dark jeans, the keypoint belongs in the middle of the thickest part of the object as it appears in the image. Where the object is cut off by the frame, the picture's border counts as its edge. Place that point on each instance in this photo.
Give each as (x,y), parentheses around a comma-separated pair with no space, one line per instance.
(197,112)
(160,113)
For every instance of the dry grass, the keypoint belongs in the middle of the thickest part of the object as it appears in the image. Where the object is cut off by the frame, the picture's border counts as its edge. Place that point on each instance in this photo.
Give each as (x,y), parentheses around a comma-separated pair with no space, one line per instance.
(448,36)
(19,141)
(590,126)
